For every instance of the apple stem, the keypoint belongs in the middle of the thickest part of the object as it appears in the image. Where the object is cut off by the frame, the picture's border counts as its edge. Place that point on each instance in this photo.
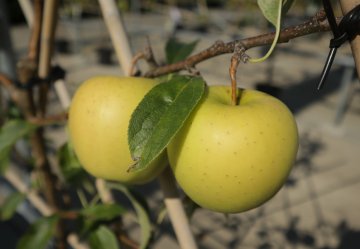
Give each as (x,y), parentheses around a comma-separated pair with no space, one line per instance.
(238,56)
(232,70)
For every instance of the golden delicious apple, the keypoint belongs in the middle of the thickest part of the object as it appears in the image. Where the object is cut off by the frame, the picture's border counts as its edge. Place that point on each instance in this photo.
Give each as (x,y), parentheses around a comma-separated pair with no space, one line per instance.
(98,123)
(231,158)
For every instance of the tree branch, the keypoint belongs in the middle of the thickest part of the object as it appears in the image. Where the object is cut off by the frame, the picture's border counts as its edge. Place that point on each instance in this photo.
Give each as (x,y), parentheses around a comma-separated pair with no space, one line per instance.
(49,120)
(318,23)
(24,100)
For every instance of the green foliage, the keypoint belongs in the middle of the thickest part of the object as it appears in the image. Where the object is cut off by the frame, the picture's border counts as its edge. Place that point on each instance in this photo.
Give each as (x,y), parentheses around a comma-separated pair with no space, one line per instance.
(103,211)
(94,215)
(70,166)
(273,10)
(8,208)
(10,132)
(13,112)
(39,233)
(102,238)
(269,8)
(141,211)
(160,115)
(177,51)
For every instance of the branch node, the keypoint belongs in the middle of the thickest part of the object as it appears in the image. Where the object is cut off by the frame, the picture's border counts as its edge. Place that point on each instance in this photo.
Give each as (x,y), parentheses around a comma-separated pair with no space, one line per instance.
(239,52)
(140,55)
(148,55)
(192,70)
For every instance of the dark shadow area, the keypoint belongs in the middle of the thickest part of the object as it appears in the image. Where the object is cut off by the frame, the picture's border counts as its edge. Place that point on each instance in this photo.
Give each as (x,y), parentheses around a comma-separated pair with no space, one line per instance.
(309,148)
(12,230)
(304,94)
(291,236)
(349,238)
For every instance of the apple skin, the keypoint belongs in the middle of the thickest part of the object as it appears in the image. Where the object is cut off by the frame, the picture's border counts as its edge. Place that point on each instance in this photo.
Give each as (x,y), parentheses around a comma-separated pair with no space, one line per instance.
(98,122)
(230,158)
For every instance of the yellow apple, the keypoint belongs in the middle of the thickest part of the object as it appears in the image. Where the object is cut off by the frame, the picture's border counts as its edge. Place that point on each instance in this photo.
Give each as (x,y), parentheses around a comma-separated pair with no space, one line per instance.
(234,158)
(99,116)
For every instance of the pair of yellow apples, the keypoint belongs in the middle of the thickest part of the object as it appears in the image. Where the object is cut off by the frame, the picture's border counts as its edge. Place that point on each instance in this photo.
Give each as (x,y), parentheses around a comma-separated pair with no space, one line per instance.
(226,158)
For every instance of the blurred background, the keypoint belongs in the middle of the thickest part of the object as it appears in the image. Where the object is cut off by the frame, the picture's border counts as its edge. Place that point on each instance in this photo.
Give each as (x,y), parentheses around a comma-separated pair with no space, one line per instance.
(319,207)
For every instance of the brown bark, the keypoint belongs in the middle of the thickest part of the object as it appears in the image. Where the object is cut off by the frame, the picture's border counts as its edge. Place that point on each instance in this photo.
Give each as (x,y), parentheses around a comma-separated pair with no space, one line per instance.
(318,23)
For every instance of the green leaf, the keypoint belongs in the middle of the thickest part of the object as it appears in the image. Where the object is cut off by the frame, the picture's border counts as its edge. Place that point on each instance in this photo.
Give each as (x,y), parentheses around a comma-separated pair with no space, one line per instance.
(143,216)
(10,132)
(8,208)
(269,8)
(177,51)
(39,233)
(102,238)
(273,10)
(4,158)
(103,211)
(70,166)
(93,215)
(161,215)
(160,115)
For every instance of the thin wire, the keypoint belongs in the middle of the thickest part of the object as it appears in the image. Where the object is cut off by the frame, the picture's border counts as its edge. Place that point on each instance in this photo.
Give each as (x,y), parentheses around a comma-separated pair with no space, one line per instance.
(348,28)
(327,67)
